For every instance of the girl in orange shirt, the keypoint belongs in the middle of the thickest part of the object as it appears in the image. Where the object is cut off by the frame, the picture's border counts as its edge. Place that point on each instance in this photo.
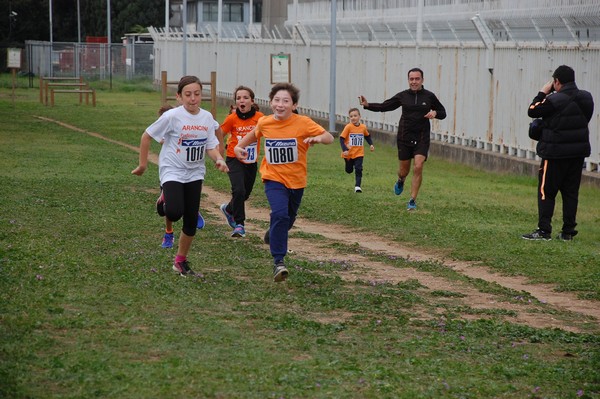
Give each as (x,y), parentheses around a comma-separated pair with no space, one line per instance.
(242,172)
(286,139)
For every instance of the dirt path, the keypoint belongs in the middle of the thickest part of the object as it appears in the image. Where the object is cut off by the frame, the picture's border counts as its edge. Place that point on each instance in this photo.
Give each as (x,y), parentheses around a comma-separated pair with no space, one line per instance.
(534,313)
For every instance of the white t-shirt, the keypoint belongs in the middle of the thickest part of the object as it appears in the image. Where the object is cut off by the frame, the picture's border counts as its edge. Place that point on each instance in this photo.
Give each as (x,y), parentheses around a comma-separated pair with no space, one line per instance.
(186,139)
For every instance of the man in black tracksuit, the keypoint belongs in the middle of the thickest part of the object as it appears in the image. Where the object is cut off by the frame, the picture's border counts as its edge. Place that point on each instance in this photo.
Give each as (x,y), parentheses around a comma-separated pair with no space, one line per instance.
(418,107)
(563,144)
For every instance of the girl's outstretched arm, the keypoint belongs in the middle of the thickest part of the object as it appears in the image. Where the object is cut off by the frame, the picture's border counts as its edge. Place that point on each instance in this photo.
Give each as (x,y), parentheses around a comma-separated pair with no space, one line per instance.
(144,150)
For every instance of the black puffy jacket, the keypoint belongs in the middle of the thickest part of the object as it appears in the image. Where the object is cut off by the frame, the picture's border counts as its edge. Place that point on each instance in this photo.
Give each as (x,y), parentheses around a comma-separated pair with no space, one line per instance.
(565,116)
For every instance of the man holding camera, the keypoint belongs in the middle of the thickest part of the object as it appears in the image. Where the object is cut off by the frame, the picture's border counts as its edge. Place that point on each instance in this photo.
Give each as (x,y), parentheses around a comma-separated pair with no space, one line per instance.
(563,144)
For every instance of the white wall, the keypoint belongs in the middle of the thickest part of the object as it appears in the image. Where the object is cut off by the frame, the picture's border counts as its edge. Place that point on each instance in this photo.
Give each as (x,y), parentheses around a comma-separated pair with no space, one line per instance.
(485,110)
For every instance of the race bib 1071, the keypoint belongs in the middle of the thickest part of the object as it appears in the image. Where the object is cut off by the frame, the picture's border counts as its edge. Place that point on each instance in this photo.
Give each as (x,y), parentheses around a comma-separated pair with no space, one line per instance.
(356,140)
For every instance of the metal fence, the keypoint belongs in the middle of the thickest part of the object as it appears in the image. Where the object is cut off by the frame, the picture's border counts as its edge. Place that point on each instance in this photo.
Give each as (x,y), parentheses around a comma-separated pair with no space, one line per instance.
(486,91)
(93,61)
(485,59)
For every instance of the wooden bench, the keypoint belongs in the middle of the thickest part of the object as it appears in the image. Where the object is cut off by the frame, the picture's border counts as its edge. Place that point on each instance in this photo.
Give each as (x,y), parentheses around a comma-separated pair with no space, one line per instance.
(81,92)
(44,80)
(74,85)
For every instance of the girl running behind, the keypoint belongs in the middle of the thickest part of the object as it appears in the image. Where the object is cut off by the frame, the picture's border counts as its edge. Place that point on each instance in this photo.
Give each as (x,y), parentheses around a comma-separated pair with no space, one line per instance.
(242,172)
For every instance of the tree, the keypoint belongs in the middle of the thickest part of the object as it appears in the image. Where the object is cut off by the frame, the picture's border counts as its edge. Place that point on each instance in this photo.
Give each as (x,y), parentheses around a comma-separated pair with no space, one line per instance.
(32,20)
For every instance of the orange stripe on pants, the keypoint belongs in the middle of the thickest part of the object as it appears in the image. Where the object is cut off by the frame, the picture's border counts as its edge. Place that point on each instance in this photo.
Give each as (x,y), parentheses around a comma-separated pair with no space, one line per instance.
(544,170)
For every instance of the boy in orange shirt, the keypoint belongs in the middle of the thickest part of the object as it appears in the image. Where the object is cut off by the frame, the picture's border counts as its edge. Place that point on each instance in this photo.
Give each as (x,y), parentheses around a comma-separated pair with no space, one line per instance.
(286,137)
(242,172)
(351,141)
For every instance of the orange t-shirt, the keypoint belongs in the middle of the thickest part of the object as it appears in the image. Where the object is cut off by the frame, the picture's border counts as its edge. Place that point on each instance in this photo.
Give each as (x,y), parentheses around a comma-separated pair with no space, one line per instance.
(354,137)
(284,158)
(237,128)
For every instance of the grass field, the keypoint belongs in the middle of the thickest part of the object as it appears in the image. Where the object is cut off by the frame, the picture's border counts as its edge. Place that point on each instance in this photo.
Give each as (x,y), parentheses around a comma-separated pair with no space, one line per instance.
(90,308)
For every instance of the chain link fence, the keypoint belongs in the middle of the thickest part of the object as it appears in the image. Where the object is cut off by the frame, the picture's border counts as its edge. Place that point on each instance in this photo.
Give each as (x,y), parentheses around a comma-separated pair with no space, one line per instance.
(92,61)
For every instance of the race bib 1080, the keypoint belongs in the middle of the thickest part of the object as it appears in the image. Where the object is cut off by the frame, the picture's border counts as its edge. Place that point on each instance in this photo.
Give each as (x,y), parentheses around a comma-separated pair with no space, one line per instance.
(281,151)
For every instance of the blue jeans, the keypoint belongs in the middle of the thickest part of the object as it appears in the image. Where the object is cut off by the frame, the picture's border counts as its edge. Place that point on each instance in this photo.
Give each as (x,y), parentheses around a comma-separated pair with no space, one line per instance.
(284,203)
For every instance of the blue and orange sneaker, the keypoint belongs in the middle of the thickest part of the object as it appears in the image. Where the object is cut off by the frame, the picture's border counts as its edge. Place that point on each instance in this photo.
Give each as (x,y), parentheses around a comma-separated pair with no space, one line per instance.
(167,241)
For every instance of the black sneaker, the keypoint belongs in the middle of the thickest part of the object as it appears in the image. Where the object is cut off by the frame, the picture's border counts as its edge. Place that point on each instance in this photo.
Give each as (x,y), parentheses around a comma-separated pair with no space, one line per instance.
(537,235)
(160,204)
(280,273)
(267,238)
(564,236)
(183,268)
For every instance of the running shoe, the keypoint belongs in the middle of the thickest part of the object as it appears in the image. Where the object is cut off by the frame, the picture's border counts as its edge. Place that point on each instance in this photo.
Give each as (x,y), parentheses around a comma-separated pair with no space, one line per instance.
(183,268)
(168,240)
(398,187)
(239,231)
(280,273)
(357,189)
(564,236)
(228,216)
(537,234)
(412,205)
(200,224)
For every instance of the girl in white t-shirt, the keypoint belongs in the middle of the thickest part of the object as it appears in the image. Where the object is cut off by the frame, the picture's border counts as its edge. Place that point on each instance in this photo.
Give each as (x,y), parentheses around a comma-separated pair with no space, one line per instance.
(188,134)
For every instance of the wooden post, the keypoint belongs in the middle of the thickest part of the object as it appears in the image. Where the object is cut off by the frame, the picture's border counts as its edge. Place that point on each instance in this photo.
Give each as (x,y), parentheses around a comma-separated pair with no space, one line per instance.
(163,86)
(14,83)
(82,88)
(213,94)
(41,89)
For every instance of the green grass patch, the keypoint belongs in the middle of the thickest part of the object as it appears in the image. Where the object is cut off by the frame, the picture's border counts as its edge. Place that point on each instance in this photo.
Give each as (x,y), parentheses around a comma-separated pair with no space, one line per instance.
(90,308)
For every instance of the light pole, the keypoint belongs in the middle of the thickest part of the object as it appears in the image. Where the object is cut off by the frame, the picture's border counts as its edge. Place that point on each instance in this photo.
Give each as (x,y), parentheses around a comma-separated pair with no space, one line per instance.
(184,23)
(78,23)
(50,69)
(12,17)
(332,67)
(108,29)
(50,17)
